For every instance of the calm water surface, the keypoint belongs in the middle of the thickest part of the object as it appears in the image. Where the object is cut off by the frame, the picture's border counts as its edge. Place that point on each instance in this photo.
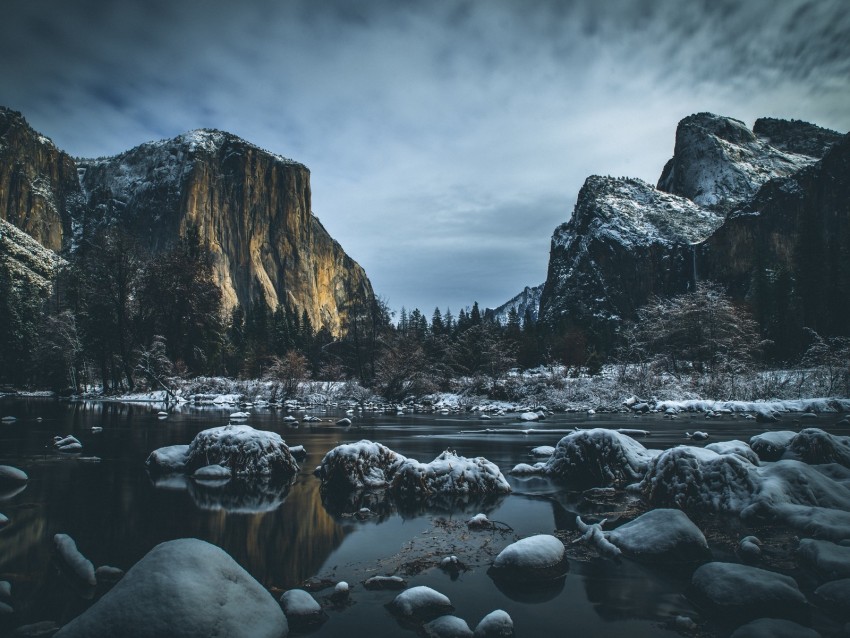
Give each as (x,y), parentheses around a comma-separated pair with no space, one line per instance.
(104,499)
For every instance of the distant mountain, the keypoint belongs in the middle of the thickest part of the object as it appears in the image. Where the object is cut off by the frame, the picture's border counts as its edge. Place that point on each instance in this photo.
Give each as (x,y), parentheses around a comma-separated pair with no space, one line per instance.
(527,300)
(741,208)
(252,209)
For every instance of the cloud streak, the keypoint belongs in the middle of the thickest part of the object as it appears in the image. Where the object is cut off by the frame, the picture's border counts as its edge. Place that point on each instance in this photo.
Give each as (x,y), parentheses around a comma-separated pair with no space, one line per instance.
(446,140)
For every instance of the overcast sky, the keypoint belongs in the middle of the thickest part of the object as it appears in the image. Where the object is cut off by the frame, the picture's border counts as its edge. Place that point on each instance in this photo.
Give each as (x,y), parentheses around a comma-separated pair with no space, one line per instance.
(446,139)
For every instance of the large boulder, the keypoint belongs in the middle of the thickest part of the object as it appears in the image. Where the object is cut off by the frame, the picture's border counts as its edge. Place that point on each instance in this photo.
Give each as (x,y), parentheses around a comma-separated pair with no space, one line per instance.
(829,560)
(817,447)
(448,474)
(770,446)
(421,602)
(246,451)
(598,458)
(357,466)
(694,478)
(184,588)
(747,592)
(661,535)
(12,476)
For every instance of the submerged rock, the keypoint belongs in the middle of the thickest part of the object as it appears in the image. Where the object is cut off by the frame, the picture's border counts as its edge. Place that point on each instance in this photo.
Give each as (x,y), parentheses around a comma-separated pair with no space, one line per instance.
(184,588)
(661,535)
(773,628)
(421,602)
(496,624)
(12,476)
(80,567)
(747,592)
(447,627)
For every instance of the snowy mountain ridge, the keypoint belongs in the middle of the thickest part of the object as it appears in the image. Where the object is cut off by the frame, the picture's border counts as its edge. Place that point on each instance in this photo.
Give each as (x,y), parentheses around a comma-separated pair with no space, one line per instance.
(526,301)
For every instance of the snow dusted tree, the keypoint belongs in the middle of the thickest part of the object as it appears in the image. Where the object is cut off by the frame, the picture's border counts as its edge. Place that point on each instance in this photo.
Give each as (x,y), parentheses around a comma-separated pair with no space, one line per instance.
(829,358)
(701,331)
(154,365)
(289,371)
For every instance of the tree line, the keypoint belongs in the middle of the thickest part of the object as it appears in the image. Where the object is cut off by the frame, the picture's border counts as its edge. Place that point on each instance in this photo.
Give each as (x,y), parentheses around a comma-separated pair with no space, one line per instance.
(120,318)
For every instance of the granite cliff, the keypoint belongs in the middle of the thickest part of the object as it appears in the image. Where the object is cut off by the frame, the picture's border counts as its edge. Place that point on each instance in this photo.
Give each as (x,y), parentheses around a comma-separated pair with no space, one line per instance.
(762,212)
(252,208)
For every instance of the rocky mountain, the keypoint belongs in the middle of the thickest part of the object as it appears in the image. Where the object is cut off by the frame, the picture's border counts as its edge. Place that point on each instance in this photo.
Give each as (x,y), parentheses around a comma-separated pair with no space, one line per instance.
(625,241)
(252,208)
(39,192)
(719,163)
(787,223)
(526,301)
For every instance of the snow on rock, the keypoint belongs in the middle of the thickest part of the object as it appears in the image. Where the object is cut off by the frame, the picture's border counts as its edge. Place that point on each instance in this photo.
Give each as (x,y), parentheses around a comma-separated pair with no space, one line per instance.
(12,476)
(696,478)
(496,624)
(448,474)
(661,535)
(828,560)
(108,574)
(385,582)
(748,592)
(524,469)
(766,409)
(356,466)
(538,552)
(183,588)
(735,447)
(593,535)
(835,596)
(479,521)
(749,549)
(529,416)
(301,608)
(172,458)
(80,566)
(543,451)
(421,602)
(241,447)
(298,452)
(774,628)
(815,446)
(67,443)
(368,465)
(598,458)
(212,472)
(447,627)
(4,520)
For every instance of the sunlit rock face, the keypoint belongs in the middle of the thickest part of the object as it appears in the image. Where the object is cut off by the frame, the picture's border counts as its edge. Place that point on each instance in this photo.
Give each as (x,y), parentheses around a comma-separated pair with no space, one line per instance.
(251,207)
(38,182)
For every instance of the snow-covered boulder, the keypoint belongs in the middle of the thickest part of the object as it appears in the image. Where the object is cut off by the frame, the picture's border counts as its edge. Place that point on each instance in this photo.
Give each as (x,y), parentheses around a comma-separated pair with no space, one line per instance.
(688,477)
(447,627)
(835,596)
(524,469)
(529,416)
(184,588)
(770,446)
(172,458)
(67,443)
(735,447)
(301,609)
(496,624)
(598,458)
(747,592)
(248,451)
(78,565)
(536,557)
(357,466)
(817,447)
(448,474)
(544,451)
(421,602)
(385,582)
(661,535)
(774,628)
(12,476)
(829,560)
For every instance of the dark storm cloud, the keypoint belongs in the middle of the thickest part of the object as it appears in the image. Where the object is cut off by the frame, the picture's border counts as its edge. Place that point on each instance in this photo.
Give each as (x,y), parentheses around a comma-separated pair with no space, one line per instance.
(446,140)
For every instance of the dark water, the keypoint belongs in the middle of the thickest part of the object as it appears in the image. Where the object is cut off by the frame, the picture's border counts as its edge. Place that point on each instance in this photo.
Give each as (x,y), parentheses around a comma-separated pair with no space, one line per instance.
(105,500)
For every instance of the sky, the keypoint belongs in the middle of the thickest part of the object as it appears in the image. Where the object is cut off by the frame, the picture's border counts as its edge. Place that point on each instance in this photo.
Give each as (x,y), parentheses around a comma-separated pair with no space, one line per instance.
(446,139)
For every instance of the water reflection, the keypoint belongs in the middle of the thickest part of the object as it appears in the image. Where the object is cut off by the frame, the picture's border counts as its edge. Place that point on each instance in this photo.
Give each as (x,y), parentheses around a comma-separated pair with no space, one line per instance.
(531,593)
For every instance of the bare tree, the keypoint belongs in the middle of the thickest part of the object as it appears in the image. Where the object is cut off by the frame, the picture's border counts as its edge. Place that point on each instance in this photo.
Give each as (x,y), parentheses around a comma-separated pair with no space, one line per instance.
(288,372)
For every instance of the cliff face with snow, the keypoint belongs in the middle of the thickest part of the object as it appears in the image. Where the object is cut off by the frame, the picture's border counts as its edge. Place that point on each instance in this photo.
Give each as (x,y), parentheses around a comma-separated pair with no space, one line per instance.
(38,182)
(252,209)
(625,242)
(753,210)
